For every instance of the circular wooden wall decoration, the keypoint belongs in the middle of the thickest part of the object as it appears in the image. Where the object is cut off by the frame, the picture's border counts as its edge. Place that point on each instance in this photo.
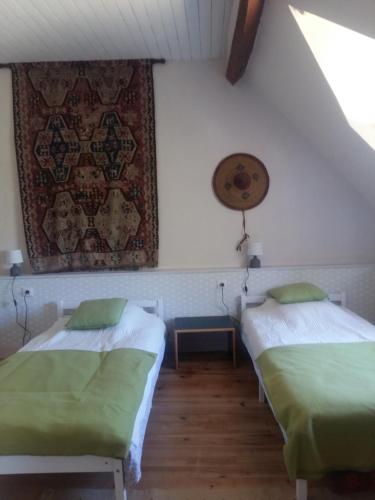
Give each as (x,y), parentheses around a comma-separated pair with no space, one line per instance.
(240,181)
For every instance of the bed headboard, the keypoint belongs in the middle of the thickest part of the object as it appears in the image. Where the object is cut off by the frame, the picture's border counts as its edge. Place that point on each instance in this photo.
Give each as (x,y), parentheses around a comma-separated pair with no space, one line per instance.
(338,298)
(153,306)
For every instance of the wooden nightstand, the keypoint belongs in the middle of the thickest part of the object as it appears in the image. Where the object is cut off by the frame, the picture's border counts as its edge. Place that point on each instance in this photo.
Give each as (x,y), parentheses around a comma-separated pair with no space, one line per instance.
(204,324)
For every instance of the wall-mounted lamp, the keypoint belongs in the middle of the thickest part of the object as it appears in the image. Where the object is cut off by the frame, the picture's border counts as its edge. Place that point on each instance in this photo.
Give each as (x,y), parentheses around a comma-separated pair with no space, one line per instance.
(255,250)
(14,259)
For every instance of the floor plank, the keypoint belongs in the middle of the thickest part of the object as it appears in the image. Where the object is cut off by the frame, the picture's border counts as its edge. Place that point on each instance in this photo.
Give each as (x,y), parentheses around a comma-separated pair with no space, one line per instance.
(207,425)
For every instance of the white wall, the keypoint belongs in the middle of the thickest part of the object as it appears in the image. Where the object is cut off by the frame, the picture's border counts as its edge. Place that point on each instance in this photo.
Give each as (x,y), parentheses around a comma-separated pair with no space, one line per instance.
(11,227)
(310,215)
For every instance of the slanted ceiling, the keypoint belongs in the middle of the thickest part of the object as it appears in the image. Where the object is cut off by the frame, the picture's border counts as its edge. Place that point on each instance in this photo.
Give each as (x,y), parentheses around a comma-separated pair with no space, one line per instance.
(301,83)
(45,30)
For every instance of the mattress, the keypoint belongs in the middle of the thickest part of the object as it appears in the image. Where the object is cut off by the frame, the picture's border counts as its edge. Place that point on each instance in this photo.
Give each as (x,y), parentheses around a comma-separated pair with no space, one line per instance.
(273,325)
(316,363)
(137,329)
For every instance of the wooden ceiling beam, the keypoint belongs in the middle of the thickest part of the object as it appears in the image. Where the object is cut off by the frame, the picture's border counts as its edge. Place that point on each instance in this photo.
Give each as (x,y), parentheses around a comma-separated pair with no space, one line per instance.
(249,14)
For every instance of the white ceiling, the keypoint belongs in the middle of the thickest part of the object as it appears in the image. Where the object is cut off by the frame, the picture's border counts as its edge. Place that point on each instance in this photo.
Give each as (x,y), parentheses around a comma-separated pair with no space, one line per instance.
(282,65)
(45,30)
(285,71)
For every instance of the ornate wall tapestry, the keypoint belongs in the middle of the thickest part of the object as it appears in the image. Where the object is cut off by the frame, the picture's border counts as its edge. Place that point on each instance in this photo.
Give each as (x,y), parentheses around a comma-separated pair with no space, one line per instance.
(85,143)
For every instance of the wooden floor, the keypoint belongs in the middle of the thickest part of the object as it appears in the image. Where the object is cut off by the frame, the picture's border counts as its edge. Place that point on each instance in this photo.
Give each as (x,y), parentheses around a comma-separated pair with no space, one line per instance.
(207,433)
(207,427)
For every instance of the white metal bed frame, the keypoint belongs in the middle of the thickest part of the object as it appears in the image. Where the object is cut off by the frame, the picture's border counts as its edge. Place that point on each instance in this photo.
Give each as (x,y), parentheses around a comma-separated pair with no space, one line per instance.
(29,464)
(250,301)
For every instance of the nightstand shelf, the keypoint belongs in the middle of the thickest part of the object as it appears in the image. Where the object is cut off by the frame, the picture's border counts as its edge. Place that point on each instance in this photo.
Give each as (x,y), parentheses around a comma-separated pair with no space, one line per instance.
(204,324)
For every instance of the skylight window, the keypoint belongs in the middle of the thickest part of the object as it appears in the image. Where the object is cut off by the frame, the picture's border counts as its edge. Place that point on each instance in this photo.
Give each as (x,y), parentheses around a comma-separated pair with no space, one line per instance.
(346,59)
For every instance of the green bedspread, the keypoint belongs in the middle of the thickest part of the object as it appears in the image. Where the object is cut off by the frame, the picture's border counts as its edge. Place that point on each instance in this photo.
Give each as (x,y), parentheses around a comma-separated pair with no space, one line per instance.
(324,397)
(71,402)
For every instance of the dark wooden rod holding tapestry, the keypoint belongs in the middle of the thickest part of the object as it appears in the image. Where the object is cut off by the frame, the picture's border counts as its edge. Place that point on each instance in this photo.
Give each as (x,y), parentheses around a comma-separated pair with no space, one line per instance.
(154,61)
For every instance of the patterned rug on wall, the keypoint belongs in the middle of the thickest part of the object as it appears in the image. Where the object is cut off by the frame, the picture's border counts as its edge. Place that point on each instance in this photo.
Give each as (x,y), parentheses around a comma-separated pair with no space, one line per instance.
(85,144)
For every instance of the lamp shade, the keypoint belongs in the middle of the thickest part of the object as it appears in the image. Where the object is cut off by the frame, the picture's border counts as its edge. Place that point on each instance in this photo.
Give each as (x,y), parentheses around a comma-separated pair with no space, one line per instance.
(255,248)
(13,257)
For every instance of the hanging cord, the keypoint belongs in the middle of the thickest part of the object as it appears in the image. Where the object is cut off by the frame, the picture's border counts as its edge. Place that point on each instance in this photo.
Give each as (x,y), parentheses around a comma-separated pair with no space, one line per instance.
(26,331)
(245,236)
(26,334)
(15,303)
(245,288)
(233,318)
(223,301)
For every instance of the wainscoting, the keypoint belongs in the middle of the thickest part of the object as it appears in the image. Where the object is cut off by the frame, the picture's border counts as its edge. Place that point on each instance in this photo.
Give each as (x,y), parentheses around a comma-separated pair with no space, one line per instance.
(185,292)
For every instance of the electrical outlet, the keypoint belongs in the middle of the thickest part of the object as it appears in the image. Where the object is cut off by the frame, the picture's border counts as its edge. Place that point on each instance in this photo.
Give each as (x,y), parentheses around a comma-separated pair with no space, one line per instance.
(27,291)
(221,284)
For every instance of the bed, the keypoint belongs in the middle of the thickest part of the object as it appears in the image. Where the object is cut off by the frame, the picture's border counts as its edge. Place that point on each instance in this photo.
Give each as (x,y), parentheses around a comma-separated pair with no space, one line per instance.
(315,364)
(142,331)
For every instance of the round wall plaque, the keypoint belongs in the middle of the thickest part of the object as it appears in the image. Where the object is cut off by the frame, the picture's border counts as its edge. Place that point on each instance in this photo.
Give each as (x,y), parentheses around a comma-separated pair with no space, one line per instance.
(240,181)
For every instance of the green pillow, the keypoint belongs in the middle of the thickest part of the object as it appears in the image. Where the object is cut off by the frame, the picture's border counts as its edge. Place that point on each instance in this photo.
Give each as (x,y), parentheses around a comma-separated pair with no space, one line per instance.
(94,314)
(297,292)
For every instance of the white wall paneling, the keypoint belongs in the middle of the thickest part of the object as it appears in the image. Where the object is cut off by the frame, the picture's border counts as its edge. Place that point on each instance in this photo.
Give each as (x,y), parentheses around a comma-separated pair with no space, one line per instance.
(205,21)
(52,30)
(217,22)
(185,293)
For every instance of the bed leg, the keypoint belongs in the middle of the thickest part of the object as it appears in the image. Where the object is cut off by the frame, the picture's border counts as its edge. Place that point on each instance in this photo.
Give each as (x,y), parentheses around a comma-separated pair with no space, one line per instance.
(301,489)
(261,395)
(118,475)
